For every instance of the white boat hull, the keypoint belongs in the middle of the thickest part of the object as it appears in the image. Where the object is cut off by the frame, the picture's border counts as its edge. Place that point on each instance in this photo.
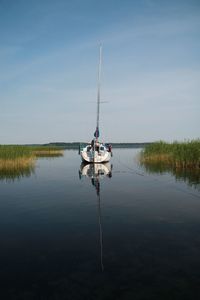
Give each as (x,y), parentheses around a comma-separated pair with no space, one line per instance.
(95,156)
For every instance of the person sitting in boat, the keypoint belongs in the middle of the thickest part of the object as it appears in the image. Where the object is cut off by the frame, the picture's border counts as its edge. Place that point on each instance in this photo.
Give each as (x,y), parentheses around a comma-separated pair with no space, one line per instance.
(110,148)
(89,147)
(97,146)
(92,143)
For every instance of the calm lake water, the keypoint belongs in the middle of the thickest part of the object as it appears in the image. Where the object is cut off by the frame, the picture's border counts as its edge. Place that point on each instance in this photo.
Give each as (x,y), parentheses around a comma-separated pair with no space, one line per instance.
(120,231)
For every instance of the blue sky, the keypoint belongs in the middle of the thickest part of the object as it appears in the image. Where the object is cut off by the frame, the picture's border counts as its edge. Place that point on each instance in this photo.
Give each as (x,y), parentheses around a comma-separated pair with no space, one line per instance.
(48,70)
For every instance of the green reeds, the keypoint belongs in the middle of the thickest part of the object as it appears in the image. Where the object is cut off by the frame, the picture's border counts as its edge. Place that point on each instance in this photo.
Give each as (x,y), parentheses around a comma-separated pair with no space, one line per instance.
(44,151)
(184,155)
(12,152)
(15,162)
(19,160)
(15,157)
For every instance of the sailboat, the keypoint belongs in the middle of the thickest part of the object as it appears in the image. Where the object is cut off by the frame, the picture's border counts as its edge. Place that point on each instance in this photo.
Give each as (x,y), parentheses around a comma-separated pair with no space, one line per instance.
(96,152)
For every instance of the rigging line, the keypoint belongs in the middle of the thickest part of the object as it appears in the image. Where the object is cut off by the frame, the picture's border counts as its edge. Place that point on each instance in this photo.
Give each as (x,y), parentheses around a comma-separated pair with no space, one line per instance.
(131,169)
(188,193)
(156,179)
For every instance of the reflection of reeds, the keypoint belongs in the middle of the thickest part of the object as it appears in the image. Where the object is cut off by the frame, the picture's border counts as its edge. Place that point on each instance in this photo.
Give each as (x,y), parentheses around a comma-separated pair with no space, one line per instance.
(16,171)
(190,176)
(184,155)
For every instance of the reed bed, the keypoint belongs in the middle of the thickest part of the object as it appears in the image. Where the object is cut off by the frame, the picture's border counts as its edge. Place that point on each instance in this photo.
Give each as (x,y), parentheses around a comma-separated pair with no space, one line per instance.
(185,155)
(20,162)
(44,151)
(16,157)
(11,152)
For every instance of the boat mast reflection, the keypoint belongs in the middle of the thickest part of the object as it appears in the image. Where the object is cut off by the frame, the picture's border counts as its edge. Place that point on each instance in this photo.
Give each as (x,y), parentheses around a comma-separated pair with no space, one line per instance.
(97,172)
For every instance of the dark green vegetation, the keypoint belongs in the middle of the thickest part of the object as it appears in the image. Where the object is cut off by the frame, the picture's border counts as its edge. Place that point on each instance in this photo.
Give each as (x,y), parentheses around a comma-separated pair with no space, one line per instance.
(184,155)
(62,145)
(129,145)
(75,145)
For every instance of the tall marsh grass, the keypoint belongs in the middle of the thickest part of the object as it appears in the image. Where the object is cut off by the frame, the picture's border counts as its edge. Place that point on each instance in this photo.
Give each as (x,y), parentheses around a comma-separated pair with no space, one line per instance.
(45,151)
(16,157)
(12,152)
(178,155)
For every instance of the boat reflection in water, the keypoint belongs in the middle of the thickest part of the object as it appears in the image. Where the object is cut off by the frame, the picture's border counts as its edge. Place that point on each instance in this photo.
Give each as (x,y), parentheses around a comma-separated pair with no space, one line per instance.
(96,172)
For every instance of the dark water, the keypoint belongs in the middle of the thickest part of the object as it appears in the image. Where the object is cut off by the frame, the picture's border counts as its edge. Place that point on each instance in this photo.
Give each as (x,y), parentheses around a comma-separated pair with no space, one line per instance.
(128,233)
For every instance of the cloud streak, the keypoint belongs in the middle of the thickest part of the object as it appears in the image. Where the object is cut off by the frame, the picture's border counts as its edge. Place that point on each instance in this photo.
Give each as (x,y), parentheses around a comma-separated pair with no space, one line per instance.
(150,74)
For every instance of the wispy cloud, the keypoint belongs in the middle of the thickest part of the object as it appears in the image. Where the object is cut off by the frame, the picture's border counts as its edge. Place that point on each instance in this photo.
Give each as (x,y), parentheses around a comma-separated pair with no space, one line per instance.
(151,72)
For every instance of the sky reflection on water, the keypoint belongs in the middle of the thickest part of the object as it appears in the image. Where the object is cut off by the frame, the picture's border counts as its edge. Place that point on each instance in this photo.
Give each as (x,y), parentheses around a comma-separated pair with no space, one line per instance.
(53,248)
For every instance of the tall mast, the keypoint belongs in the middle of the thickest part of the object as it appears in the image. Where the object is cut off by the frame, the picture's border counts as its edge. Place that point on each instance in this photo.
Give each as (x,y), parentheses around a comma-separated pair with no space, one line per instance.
(98,91)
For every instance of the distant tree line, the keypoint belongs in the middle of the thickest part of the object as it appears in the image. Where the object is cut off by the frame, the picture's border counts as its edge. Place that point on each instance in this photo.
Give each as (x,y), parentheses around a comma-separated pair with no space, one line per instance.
(75,145)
